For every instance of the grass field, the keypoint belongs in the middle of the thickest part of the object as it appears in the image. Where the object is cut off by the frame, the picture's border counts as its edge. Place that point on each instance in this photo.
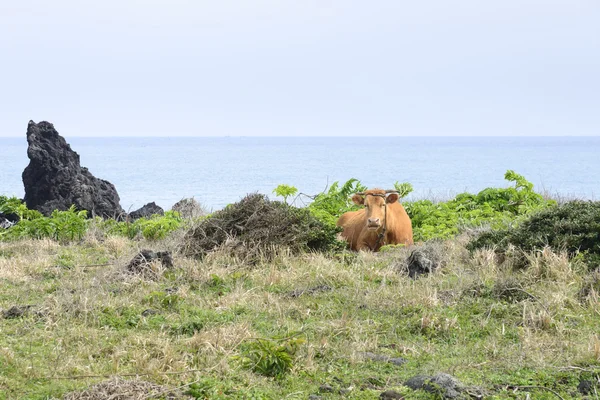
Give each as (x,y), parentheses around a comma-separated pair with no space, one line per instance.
(294,326)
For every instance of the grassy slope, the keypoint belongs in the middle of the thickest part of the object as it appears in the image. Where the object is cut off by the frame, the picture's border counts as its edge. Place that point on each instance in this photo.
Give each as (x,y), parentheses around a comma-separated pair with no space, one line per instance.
(466,320)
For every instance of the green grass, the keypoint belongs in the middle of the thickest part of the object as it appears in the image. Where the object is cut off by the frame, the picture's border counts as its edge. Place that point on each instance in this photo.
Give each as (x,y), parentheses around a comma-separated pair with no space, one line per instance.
(486,324)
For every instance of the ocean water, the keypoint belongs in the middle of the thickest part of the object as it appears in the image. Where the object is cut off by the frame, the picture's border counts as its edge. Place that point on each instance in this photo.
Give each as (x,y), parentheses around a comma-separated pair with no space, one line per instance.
(218,171)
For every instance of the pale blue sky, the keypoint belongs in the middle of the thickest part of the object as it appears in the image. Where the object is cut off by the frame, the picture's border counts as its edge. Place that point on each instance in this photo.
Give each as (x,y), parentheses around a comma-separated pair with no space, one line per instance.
(310,67)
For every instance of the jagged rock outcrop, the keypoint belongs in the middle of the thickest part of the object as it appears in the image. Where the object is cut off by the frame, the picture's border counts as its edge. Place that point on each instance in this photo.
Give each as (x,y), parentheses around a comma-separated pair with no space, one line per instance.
(146,211)
(55,179)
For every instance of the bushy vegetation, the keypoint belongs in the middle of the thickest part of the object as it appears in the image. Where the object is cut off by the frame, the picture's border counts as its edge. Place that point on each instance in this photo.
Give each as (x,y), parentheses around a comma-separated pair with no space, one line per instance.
(573,226)
(303,323)
(72,225)
(328,206)
(331,204)
(153,228)
(493,207)
(14,206)
(256,226)
(270,357)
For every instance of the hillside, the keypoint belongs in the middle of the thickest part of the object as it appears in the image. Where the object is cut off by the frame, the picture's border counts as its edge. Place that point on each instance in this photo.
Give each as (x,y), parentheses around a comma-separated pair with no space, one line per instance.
(497,330)
(266,315)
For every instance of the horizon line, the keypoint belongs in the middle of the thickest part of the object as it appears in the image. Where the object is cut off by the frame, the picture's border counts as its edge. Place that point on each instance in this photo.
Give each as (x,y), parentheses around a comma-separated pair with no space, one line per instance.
(315,136)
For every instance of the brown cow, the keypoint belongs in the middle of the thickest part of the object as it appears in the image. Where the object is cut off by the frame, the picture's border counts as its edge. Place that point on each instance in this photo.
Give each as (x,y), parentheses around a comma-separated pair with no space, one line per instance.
(382,221)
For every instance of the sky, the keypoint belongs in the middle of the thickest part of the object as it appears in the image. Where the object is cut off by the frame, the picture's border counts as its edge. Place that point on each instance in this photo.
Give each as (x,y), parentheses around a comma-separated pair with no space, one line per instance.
(301,68)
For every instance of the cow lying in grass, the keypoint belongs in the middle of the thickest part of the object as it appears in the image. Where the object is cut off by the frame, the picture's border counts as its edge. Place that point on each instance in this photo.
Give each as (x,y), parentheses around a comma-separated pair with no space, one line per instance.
(382,221)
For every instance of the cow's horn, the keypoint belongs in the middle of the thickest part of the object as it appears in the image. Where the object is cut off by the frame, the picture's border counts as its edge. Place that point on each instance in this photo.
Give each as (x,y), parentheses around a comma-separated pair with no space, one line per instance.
(360,193)
(391,191)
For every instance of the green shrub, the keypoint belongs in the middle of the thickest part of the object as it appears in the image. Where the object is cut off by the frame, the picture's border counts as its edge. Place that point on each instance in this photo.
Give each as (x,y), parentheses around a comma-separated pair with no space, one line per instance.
(63,226)
(404,189)
(158,227)
(573,226)
(68,225)
(495,207)
(257,222)
(72,225)
(269,357)
(285,191)
(14,206)
(329,206)
(155,227)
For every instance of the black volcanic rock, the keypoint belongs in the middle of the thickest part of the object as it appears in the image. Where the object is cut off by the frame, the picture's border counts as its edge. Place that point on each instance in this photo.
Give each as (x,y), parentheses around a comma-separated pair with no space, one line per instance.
(55,180)
(8,220)
(147,211)
(5,223)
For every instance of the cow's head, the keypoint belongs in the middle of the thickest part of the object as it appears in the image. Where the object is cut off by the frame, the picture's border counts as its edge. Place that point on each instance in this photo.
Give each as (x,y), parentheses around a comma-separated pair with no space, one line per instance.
(375,201)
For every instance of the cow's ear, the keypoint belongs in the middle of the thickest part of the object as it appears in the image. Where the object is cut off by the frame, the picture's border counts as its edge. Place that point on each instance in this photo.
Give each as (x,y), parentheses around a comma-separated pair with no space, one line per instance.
(392,198)
(358,199)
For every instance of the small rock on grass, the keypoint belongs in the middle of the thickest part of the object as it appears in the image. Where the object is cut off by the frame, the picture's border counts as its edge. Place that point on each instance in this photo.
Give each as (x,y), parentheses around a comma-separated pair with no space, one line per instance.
(325,388)
(16,312)
(144,257)
(378,357)
(445,384)
(585,387)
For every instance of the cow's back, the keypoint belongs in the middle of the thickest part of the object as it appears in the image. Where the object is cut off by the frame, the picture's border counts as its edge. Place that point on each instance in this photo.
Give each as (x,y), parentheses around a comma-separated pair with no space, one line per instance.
(399,226)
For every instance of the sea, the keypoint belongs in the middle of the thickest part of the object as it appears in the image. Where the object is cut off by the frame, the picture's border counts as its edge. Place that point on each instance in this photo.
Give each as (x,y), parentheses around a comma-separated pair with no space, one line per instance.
(217,171)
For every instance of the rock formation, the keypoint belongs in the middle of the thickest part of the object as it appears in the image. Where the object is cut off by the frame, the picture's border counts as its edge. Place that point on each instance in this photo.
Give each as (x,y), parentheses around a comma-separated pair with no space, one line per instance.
(141,261)
(189,208)
(8,220)
(146,211)
(55,180)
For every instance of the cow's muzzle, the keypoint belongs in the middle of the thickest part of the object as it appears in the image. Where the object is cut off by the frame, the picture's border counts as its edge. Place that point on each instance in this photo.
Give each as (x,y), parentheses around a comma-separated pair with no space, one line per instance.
(373,224)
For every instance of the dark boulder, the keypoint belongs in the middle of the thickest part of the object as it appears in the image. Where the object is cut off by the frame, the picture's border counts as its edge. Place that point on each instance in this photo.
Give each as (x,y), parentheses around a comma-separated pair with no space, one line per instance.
(146,211)
(8,220)
(141,261)
(419,264)
(585,387)
(17,312)
(423,259)
(55,179)
(4,223)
